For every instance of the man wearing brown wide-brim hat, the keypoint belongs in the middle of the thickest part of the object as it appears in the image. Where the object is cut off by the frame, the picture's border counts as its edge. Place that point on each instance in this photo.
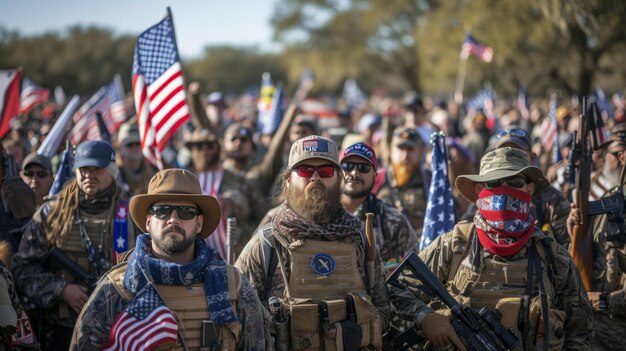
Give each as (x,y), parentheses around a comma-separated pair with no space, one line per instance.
(502,260)
(173,272)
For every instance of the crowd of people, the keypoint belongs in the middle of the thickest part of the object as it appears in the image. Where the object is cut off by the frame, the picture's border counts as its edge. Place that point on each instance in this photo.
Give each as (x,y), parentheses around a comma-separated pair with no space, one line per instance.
(127,255)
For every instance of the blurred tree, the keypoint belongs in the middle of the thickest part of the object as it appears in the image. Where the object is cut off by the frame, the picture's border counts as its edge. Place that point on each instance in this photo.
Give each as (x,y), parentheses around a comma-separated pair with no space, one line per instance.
(81,60)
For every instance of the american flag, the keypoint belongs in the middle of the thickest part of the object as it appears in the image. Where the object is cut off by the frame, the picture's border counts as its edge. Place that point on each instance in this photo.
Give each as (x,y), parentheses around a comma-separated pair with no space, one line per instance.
(31,96)
(64,173)
(604,104)
(484,101)
(476,48)
(266,95)
(109,102)
(439,217)
(145,324)
(158,88)
(523,102)
(9,98)
(553,131)
(597,127)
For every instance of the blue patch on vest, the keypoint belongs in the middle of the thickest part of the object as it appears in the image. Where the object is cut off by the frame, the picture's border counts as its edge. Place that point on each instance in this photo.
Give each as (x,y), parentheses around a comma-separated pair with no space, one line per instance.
(323,264)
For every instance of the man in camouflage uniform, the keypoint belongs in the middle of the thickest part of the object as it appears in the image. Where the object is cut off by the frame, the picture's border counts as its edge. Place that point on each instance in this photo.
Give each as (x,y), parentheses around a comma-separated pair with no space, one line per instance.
(87,222)
(404,185)
(175,266)
(236,197)
(394,235)
(135,171)
(503,261)
(550,208)
(312,256)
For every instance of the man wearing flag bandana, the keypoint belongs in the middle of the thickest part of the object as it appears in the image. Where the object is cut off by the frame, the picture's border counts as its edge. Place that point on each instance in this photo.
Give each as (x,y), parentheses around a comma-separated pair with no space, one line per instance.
(502,261)
(173,292)
(86,221)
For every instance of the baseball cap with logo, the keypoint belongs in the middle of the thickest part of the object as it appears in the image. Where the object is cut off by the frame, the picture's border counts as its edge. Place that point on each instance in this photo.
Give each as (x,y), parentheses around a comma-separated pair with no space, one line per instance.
(313,147)
(403,136)
(94,153)
(362,150)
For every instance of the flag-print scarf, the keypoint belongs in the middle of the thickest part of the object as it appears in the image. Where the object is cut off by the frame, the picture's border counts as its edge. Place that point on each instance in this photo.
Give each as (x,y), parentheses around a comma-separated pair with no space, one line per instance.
(207,267)
(503,221)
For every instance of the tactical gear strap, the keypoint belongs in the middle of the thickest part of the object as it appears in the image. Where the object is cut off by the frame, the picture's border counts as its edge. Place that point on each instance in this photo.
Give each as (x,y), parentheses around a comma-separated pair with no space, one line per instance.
(99,262)
(543,296)
(461,231)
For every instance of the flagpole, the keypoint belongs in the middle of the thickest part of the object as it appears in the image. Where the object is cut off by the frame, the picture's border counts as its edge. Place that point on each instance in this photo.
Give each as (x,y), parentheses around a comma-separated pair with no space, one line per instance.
(460,80)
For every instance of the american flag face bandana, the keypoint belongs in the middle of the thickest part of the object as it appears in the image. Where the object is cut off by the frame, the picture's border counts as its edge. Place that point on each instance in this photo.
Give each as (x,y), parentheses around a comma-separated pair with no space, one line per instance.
(503,220)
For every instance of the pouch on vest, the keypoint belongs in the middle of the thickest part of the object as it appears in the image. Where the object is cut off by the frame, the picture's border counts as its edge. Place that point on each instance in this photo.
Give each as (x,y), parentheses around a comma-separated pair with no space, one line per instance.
(331,312)
(556,320)
(304,327)
(367,319)
(509,308)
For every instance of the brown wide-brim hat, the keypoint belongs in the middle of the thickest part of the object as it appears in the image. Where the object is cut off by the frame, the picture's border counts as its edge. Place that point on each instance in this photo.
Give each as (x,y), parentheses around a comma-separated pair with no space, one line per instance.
(176,185)
(498,164)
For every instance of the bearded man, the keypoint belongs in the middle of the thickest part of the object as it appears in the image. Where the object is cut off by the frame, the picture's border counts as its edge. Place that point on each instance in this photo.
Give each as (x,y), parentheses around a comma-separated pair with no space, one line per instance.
(311,257)
(404,186)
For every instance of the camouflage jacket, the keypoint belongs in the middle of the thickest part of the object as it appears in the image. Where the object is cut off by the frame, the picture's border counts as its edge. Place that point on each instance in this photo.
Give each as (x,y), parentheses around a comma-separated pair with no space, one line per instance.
(106,303)
(394,235)
(554,209)
(569,294)
(39,284)
(610,262)
(410,200)
(251,264)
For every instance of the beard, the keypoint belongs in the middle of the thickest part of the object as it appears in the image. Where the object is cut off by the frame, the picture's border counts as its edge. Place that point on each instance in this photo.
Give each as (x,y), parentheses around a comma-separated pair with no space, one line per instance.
(356,193)
(204,163)
(173,244)
(317,204)
(611,174)
(402,173)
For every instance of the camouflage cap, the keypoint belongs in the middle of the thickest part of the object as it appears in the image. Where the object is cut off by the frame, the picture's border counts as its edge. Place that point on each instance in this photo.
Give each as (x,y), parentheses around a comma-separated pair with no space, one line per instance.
(501,163)
(313,147)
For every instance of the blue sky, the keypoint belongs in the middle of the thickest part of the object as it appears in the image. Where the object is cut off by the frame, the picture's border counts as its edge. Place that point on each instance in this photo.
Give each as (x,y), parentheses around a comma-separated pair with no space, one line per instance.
(198,23)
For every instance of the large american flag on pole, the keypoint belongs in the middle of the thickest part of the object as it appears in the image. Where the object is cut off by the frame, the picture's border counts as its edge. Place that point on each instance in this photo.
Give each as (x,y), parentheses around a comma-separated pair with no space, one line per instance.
(145,324)
(32,95)
(550,131)
(158,88)
(109,102)
(439,218)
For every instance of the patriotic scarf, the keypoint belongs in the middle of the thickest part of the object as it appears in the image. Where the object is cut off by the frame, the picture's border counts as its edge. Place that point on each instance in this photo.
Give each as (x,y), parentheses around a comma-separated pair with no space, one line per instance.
(503,221)
(211,183)
(208,266)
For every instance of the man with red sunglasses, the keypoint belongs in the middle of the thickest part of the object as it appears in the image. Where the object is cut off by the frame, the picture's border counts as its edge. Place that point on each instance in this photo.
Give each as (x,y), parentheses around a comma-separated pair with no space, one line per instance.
(310,259)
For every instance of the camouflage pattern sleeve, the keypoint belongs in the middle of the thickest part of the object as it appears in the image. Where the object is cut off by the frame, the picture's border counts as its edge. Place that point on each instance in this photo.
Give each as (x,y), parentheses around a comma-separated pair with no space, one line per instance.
(402,238)
(557,210)
(254,319)
(572,298)
(250,264)
(95,320)
(38,284)
(380,294)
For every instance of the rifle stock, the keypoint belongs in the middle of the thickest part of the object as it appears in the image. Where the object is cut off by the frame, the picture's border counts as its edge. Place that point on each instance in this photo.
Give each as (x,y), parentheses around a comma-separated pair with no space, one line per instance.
(581,248)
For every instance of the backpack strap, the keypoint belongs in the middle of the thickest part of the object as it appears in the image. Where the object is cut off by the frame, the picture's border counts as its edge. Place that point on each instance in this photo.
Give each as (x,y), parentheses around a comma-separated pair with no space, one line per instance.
(460,245)
(268,254)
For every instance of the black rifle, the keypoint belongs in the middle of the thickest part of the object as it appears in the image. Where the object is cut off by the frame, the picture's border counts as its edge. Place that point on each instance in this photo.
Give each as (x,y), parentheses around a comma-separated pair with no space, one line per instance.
(613,206)
(474,328)
(57,258)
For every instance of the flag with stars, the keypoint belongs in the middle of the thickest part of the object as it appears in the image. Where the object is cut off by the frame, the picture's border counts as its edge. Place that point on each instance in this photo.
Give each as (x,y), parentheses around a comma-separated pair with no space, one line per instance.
(158,88)
(439,217)
(64,173)
(120,229)
(145,324)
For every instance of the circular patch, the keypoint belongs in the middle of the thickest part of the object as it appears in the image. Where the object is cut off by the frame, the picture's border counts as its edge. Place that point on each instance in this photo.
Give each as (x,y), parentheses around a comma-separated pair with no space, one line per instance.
(323,264)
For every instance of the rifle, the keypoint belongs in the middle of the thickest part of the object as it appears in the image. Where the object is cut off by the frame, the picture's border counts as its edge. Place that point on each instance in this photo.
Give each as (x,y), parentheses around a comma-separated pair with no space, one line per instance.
(475,328)
(59,259)
(581,248)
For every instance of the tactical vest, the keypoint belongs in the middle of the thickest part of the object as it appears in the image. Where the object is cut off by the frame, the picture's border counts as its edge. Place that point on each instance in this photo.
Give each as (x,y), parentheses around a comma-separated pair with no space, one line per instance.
(328,305)
(190,307)
(501,285)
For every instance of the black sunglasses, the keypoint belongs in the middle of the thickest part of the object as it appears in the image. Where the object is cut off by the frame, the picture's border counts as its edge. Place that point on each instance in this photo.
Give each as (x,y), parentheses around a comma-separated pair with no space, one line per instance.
(362,167)
(514,182)
(39,174)
(165,211)
(204,144)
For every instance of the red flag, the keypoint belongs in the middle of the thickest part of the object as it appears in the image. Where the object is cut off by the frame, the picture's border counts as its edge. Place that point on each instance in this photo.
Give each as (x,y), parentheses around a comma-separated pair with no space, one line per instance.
(9,98)
(158,88)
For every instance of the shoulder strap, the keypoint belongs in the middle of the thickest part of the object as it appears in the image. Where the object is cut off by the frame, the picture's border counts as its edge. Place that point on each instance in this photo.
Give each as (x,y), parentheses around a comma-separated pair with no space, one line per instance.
(116,276)
(460,236)
(268,254)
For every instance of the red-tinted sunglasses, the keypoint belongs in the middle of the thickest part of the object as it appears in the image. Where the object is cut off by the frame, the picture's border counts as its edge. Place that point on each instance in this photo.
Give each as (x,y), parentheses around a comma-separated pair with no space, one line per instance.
(324,171)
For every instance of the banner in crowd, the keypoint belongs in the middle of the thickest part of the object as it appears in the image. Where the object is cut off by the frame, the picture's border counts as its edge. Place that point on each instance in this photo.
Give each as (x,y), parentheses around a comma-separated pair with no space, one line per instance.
(32,95)
(158,88)
(9,98)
